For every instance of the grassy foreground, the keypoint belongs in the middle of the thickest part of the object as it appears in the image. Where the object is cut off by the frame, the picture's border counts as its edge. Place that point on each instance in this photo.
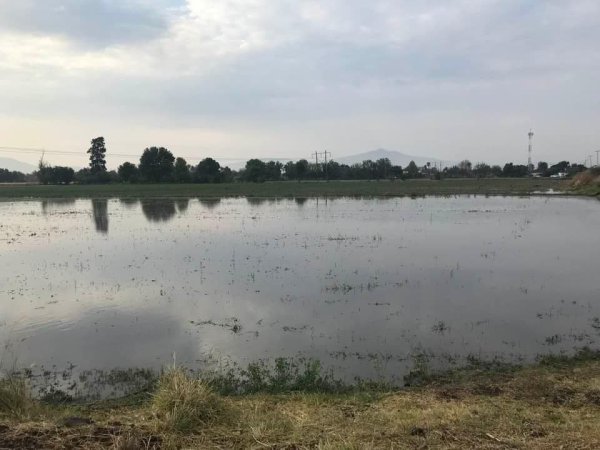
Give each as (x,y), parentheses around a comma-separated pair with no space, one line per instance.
(555,404)
(491,186)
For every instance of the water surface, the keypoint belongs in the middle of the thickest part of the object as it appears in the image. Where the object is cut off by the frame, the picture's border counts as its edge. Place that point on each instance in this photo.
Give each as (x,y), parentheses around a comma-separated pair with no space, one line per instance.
(363,285)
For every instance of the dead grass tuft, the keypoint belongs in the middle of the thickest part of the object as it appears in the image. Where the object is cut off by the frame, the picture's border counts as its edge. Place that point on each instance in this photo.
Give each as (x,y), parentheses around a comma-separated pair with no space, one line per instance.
(15,398)
(184,404)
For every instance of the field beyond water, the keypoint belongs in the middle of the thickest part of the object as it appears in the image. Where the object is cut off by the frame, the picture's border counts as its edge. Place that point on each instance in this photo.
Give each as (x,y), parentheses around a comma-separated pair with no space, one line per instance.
(490,186)
(555,404)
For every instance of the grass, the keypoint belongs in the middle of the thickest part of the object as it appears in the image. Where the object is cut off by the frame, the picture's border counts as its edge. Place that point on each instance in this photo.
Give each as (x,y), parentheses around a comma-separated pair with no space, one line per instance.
(492,186)
(587,183)
(553,404)
(15,399)
(184,404)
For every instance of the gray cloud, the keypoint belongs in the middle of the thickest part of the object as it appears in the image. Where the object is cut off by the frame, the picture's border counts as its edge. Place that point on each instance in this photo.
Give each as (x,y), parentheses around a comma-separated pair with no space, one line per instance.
(352,67)
(95,23)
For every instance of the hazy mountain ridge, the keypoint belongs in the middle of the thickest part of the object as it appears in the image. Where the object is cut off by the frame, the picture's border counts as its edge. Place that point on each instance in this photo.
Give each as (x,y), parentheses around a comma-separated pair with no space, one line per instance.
(16,165)
(397,158)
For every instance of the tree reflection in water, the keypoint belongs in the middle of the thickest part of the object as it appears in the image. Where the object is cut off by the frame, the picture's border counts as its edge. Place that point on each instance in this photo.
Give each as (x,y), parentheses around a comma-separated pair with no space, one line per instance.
(209,203)
(300,201)
(182,204)
(129,202)
(100,212)
(159,209)
(49,204)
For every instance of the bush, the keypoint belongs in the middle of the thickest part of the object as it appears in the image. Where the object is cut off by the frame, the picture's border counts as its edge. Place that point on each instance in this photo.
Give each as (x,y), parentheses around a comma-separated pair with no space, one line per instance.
(185,403)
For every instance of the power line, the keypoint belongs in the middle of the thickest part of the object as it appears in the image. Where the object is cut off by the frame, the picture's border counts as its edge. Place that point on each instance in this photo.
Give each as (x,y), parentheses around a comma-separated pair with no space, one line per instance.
(31,150)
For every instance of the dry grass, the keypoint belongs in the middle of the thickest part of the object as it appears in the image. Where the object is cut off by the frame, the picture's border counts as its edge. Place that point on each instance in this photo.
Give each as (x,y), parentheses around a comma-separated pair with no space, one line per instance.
(15,399)
(546,406)
(183,404)
(587,182)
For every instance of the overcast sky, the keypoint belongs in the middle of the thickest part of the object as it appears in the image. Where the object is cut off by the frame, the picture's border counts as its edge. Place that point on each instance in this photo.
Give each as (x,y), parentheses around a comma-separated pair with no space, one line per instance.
(283,78)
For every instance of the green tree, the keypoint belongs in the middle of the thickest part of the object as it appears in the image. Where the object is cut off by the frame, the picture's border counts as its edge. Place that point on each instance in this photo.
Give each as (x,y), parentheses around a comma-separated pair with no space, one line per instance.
(227,175)
(383,167)
(181,171)
(97,155)
(156,164)
(482,170)
(465,167)
(256,171)
(273,170)
(301,169)
(290,170)
(128,172)
(7,176)
(512,170)
(208,171)
(47,174)
(397,171)
(412,171)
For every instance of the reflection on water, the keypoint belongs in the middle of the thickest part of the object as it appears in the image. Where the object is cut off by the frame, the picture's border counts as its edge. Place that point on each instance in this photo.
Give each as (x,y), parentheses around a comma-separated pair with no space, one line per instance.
(256,201)
(163,209)
(182,204)
(50,205)
(100,212)
(210,203)
(362,285)
(300,201)
(159,210)
(129,202)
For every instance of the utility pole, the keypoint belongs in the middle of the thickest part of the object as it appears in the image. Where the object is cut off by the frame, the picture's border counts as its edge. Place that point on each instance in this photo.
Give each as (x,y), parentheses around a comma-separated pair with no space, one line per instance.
(529,163)
(597,161)
(326,170)
(324,154)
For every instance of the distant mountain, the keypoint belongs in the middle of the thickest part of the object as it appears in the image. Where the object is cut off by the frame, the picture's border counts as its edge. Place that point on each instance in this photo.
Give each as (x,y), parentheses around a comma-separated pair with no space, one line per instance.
(13,164)
(397,158)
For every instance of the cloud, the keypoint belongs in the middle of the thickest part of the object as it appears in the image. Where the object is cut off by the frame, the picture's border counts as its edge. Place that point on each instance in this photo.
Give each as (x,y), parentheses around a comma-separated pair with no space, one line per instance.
(256,65)
(89,23)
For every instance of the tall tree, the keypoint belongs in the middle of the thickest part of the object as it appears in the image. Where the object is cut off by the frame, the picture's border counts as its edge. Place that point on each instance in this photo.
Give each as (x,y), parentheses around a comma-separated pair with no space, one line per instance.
(156,164)
(97,155)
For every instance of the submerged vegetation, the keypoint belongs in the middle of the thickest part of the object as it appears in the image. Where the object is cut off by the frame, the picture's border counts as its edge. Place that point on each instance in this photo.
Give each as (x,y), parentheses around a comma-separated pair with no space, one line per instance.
(552,404)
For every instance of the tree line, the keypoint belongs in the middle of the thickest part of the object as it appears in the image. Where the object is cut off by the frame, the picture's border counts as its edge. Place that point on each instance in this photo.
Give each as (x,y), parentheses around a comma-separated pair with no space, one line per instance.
(8,176)
(159,165)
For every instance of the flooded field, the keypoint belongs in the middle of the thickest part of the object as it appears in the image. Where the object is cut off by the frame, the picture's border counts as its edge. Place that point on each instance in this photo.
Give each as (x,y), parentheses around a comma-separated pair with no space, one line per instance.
(369,287)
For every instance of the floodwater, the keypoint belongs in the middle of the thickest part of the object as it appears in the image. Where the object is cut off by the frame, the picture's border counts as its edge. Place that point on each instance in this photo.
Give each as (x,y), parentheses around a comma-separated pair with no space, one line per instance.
(363,285)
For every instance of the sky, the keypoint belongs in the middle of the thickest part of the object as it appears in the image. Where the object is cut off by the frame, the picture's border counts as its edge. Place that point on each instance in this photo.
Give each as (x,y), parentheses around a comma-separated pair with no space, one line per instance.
(236,79)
